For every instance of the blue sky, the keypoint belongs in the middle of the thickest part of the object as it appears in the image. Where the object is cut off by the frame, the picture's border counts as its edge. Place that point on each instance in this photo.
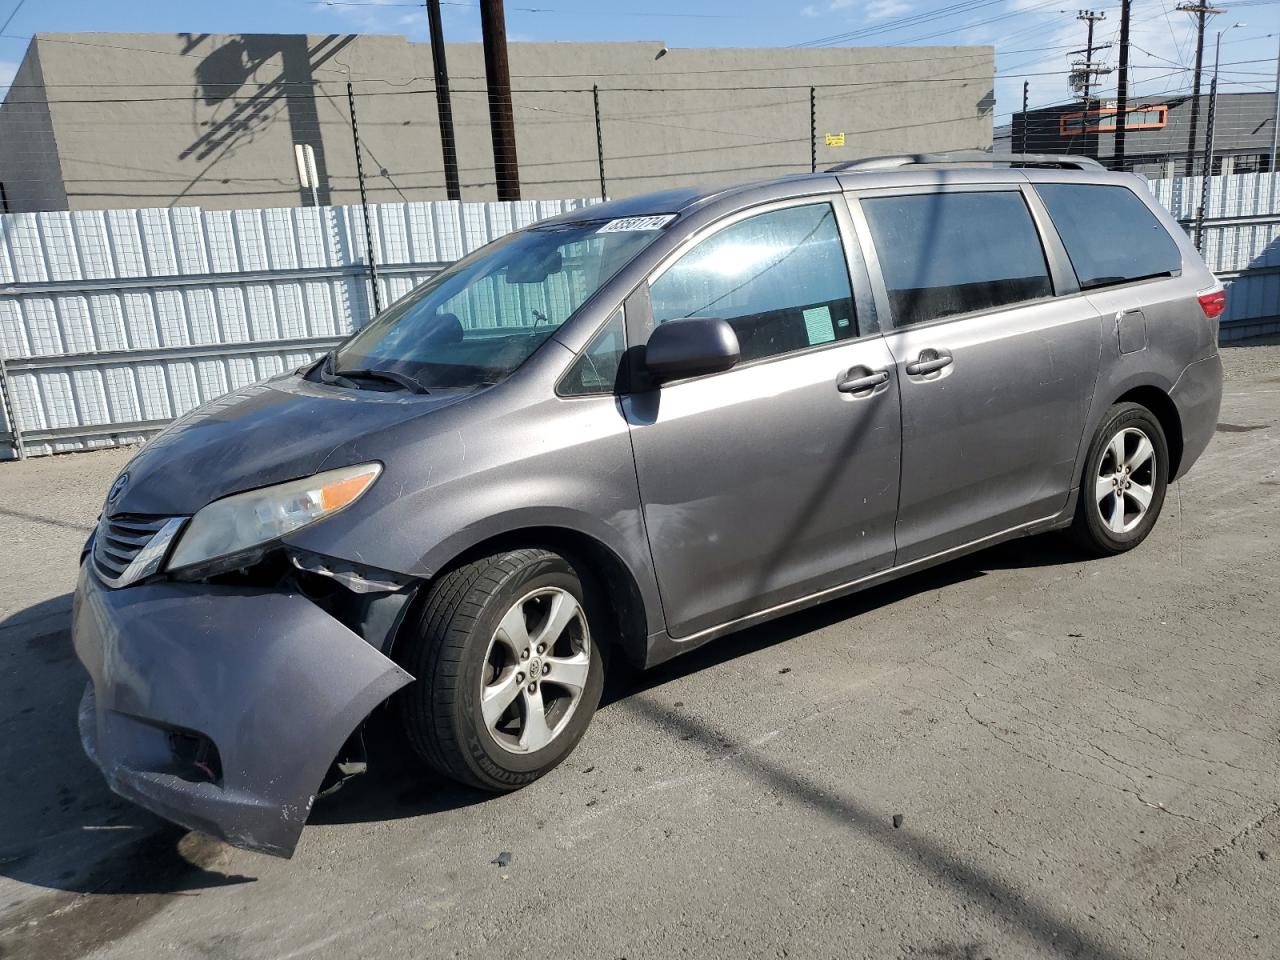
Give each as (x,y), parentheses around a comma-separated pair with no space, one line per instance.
(1033,38)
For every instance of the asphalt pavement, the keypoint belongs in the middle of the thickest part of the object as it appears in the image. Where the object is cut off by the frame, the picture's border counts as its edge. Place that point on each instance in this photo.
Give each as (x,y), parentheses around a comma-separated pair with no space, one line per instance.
(1020,754)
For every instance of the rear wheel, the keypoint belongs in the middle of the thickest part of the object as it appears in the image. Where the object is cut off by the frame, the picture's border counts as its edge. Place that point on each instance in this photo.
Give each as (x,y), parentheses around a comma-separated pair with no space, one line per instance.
(1123,488)
(509,670)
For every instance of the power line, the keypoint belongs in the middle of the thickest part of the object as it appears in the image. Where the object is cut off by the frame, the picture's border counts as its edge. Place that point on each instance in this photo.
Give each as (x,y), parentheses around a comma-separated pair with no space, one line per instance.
(1201,11)
(1038,8)
(45,38)
(12,13)
(575,13)
(406,80)
(1082,74)
(835,85)
(898,23)
(844,65)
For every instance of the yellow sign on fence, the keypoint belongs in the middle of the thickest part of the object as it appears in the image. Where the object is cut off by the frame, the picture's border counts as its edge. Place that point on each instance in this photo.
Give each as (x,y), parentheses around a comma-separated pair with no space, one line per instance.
(835,139)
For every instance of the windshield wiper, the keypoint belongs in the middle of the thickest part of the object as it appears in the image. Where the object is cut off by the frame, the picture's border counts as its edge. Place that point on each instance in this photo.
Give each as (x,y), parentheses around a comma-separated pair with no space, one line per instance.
(327,375)
(387,376)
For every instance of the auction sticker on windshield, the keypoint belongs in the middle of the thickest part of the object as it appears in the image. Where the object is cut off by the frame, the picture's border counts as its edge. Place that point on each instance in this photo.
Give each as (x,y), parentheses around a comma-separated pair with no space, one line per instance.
(630,224)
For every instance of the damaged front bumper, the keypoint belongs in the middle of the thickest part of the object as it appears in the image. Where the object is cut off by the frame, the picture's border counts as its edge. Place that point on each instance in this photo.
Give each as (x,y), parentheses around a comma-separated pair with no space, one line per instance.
(221,708)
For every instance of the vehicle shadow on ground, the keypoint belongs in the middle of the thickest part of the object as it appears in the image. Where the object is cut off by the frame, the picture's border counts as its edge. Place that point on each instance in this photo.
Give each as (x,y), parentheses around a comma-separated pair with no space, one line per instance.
(1041,920)
(1041,551)
(64,830)
(1055,931)
(403,791)
(397,785)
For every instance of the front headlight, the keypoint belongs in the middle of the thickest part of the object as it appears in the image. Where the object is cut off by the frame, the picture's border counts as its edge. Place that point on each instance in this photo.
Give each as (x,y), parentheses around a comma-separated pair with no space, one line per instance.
(242,521)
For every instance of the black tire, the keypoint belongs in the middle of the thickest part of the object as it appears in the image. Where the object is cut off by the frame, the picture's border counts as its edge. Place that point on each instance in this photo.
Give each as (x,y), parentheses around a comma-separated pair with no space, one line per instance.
(446,645)
(1089,529)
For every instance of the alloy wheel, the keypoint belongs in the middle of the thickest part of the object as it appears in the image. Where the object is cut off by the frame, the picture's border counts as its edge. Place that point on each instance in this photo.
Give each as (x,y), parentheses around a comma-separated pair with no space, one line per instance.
(1126,480)
(535,670)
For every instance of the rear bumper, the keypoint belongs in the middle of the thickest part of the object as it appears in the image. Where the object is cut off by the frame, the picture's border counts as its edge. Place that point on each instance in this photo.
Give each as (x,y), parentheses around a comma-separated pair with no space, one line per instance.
(266,678)
(1198,397)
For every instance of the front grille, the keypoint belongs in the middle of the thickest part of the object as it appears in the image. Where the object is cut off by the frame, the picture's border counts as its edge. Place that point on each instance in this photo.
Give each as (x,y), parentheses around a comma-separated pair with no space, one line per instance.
(118,542)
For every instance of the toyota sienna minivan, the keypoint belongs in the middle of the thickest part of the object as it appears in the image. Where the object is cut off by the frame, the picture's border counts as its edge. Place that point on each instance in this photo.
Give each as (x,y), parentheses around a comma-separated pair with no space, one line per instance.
(630,430)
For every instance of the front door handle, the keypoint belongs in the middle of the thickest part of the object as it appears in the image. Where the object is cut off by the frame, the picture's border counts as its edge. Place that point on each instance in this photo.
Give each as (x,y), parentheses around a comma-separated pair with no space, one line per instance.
(857,382)
(929,361)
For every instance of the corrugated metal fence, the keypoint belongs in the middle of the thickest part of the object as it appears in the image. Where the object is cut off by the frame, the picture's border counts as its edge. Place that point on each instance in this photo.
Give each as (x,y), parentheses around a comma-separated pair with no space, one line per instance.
(1241,243)
(114,322)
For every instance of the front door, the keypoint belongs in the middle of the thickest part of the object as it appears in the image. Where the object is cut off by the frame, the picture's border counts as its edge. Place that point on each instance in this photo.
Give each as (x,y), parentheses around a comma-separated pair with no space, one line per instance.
(778,478)
(995,372)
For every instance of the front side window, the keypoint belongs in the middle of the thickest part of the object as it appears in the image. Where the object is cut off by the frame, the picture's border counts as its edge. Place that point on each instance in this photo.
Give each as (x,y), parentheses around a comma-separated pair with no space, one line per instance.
(476,322)
(944,254)
(1111,236)
(780,279)
(597,367)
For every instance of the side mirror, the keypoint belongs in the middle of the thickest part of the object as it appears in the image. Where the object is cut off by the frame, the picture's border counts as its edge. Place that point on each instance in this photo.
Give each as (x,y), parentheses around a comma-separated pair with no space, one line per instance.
(689,347)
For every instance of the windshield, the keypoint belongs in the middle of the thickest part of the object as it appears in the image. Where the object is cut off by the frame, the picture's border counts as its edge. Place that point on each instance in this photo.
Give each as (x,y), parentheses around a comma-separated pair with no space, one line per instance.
(476,322)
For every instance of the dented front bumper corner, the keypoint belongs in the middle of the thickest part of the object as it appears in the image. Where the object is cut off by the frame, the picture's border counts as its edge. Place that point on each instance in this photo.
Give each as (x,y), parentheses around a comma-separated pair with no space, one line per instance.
(221,708)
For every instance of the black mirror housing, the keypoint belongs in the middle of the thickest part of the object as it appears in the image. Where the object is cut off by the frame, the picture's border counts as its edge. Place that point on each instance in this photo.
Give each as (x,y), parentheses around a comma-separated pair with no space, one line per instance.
(690,347)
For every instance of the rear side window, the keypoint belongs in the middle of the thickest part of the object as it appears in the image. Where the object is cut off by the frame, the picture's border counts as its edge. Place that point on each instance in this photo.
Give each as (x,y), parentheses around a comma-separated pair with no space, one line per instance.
(1110,235)
(780,279)
(944,254)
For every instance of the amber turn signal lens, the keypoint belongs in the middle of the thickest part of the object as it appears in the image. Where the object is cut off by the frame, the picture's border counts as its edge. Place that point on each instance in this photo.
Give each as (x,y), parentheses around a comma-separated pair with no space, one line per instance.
(336,495)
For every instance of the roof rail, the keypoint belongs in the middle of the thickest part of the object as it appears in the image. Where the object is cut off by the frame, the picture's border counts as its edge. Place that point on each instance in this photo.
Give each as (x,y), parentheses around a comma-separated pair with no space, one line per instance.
(967,156)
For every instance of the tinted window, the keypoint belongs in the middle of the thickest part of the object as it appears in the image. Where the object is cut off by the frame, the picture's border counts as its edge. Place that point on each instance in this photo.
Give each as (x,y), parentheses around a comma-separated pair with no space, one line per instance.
(1110,235)
(596,369)
(780,279)
(949,253)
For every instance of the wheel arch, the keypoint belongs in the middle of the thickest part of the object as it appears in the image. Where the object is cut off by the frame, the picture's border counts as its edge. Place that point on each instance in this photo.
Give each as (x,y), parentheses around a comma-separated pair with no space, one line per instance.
(590,557)
(1165,411)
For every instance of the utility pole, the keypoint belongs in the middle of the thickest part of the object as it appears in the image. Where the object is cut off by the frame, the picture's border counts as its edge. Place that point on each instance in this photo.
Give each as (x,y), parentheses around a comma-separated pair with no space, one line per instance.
(444,106)
(1201,11)
(1207,176)
(1122,84)
(595,104)
(813,131)
(1026,90)
(1275,125)
(498,79)
(1088,69)
(364,202)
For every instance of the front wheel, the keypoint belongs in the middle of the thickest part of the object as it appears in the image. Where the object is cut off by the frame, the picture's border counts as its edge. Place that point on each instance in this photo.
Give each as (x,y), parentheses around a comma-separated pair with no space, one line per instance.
(1126,474)
(509,670)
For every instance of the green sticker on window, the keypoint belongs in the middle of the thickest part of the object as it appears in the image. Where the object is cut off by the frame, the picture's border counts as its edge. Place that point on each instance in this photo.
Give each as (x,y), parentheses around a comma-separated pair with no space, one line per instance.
(817,324)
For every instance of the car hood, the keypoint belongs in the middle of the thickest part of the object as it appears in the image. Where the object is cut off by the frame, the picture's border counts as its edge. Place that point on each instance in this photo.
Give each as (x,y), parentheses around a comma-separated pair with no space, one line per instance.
(262,434)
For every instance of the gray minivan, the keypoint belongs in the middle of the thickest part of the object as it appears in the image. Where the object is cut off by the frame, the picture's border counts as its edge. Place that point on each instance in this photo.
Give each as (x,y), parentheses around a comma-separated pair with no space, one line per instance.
(630,430)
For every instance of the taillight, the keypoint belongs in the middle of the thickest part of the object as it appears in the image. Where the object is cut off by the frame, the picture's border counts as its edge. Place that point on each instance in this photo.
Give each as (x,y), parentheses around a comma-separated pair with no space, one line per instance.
(1213,303)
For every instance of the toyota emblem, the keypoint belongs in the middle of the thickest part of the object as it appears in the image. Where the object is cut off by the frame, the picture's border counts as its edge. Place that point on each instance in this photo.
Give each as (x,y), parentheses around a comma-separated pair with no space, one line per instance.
(117,488)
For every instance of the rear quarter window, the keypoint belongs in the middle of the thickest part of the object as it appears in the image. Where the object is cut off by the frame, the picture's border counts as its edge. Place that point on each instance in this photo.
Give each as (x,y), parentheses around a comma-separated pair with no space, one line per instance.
(1111,236)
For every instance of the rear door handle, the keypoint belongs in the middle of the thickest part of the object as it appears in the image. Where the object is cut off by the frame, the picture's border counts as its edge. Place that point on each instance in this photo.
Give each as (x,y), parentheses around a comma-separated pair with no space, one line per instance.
(857,384)
(930,361)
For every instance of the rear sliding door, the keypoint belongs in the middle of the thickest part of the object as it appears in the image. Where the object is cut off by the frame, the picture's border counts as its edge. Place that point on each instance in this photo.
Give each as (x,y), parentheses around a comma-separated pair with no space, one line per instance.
(996,355)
